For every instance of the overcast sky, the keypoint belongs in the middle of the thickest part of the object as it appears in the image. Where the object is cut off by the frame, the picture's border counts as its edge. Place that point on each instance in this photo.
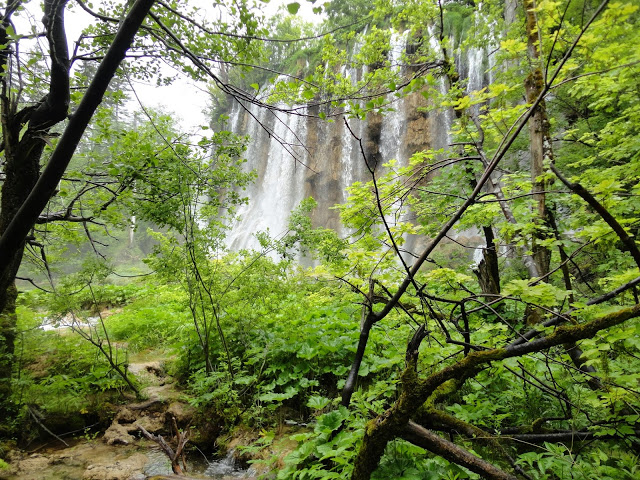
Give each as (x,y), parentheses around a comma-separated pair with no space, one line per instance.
(184,98)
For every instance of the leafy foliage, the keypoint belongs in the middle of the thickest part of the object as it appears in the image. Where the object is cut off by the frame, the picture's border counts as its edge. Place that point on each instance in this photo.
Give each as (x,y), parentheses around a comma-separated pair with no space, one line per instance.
(479,364)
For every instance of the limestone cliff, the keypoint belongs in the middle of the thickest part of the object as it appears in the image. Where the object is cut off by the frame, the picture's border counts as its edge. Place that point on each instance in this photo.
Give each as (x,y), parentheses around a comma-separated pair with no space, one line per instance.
(297,156)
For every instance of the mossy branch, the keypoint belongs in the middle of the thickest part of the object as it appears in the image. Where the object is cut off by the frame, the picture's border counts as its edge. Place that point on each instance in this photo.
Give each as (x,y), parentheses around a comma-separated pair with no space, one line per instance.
(416,392)
(434,416)
(428,440)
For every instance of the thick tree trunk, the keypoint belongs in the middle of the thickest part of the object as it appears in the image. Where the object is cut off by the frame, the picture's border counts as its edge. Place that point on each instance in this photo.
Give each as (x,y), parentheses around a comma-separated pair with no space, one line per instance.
(23,132)
(7,340)
(488,272)
(25,192)
(22,166)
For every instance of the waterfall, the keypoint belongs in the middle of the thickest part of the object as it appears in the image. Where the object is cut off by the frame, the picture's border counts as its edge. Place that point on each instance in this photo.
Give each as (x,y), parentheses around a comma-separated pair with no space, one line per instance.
(275,152)
(288,173)
(393,129)
(478,59)
(444,120)
(332,160)
(476,55)
(475,60)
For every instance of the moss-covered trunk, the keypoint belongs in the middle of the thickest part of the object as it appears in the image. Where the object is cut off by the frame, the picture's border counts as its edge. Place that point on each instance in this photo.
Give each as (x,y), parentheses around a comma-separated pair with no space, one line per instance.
(22,167)
(23,133)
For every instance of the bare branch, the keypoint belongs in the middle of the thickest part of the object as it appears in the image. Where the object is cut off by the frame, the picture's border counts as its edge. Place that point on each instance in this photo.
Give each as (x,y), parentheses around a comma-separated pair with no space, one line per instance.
(422,437)
(583,193)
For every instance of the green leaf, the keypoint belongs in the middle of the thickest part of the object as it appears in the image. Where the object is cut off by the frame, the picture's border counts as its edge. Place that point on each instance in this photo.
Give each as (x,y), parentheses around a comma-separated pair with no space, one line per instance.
(23,130)
(329,422)
(278,397)
(293,8)
(317,402)
(543,294)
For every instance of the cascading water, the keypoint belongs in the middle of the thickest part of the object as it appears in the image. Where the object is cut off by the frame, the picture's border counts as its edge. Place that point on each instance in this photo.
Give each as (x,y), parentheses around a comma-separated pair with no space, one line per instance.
(475,80)
(223,468)
(394,123)
(476,56)
(444,121)
(347,141)
(331,158)
(276,153)
(475,60)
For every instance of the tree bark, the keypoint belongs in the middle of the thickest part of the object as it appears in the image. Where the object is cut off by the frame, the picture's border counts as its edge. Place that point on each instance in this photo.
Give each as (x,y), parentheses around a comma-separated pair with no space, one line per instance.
(539,141)
(23,137)
(488,272)
(176,457)
(428,440)
(350,383)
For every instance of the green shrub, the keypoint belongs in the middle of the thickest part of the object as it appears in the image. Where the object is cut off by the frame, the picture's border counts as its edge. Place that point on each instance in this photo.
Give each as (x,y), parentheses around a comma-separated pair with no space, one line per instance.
(158,317)
(60,375)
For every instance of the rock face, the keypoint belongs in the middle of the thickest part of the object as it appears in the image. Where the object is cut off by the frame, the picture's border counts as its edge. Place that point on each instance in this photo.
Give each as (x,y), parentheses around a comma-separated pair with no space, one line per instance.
(155,414)
(182,412)
(297,156)
(118,434)
(91,460)
(27,465)
(125,469)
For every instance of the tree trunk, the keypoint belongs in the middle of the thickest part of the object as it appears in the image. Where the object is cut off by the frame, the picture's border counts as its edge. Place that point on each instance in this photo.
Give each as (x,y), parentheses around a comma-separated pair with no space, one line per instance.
(25,192)
(540,143)
(7,339)
(488,272)
(22,166)
(23,138)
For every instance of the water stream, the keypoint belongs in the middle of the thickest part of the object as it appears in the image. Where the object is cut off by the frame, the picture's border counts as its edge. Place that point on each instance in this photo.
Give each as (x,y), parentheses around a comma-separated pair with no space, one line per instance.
(93,460)
(224,468)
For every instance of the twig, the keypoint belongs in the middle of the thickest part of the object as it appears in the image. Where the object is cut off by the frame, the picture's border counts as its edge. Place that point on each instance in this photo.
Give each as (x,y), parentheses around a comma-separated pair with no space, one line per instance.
(35,417)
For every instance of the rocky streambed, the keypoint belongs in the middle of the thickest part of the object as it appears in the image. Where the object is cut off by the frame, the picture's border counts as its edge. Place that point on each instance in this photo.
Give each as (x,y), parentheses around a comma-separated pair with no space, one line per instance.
(95,460)
(122,453)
